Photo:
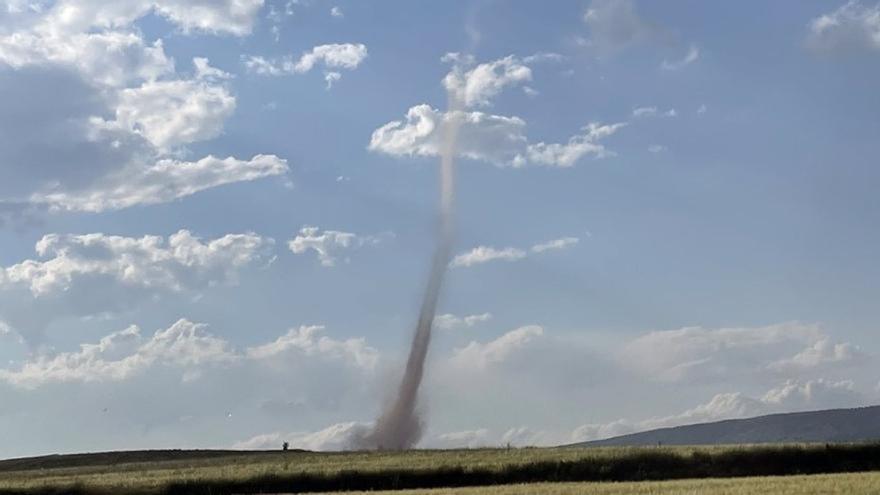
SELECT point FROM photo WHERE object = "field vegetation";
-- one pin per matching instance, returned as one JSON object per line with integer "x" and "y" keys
{"x": 215, "y": 473}
{"x": 814, "y": 484}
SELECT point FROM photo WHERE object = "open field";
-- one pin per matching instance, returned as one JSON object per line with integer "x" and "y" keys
{"x": 815, "y": 484}
{"x": 261, "y": 472}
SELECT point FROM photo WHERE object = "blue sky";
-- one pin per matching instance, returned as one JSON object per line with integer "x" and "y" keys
{"x": 665, "y": 214}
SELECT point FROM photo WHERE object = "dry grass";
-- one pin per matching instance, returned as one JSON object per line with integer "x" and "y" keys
{"x": 255, "y": 473}
{"x": 816, "y": 484}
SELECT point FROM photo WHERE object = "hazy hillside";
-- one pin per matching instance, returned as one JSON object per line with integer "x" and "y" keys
{"x": 834, "y": 425}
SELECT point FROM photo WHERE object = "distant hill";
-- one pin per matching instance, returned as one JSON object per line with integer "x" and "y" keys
{"x": 833, "y": 425}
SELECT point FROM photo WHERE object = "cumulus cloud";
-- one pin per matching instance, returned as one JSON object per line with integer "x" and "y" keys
{"x": 449, "y": 321}
{"x": 484, "y": 355}
{"x": 113, "y": 59}
{"x": 822, "y": 352}
{"x": 62, "y": 157}
{"x": 307, "y": 340}
{"x": 468, "y": 439}
{"x": 695, "y": 353}
{"x": 204, "y": 70}
{"x": 121, "y": 354}
{"x": 163, "y": 182}
{"x": 332, "y": 57}
{"x": 791, "y": 396}
{"x": 485, "y": 137}
{"x": 335, "y": 56}
{"x": 485, "y": 254}
{"x": 328, "y": 243}
{"x": 852, "y": 26}
{"x": 496, "y": 139}
{"x": 478, "y": 85}
{"x": 235, "y": 17}
{"x": 187, "y": 347}
{"x": 340, "y": 436}
{"x": 170, "y": 113}
{"x": 92, "y": 106}
{"x": 91, "y": 274}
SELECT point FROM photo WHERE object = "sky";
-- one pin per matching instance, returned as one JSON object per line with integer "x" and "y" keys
{"x": 217, "y": 217}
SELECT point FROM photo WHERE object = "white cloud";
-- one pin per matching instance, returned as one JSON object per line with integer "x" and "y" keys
{"x": 523, "y": 436}
{"x": 852, "y": 26}
{"x": 121, "y": 354}
{"x": 262, "y": 66}
{"x": 328, "y": 243}
{"x": 821, "y": 353}
{"x": 578, "y": 146}
{"x": 205, "y": 71}
{"x": 336, "y": 56}
{"x": 495, "y": 139}
{"x": 485, "y": 254}
{"x": 81, "y": 62}
{"x": 336, "y": 12}
{"x": 148, "y": 262}
{"x": 163, "y": 182}
{"x": 597, "y": 431}
{"x": 91, "y": 274}
{"x": 656, "y": 148}
{"x": 791, "y": 396}
{"x": 331, "y": 77}
{"x": 555, "y": 244}
{"x": 795, "y": 395}
{"x": 692, "y": 56}
{"x": 340, "y": 436}
{"x": 170, "y": 113}
{"x": 695, "y": 353}
{"x": 468, "y": 439}
{"x": 235, "y": 17}
{"x": 189, "y": 349}
{"x": 114, "y": 58}
{"x": 478, "y": 85}
{"x": 483, "y": 355}
{"x": 307, "y": 341}
{"x": 95, "y": 37}
{"x": 449, "y": 321}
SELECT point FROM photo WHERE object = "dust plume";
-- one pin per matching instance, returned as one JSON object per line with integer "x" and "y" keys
{"x": 400, "y": 425}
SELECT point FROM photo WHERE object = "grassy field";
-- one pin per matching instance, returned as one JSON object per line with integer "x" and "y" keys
{"x": 236, "y": 472}
{"x": 816, "y": 484}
